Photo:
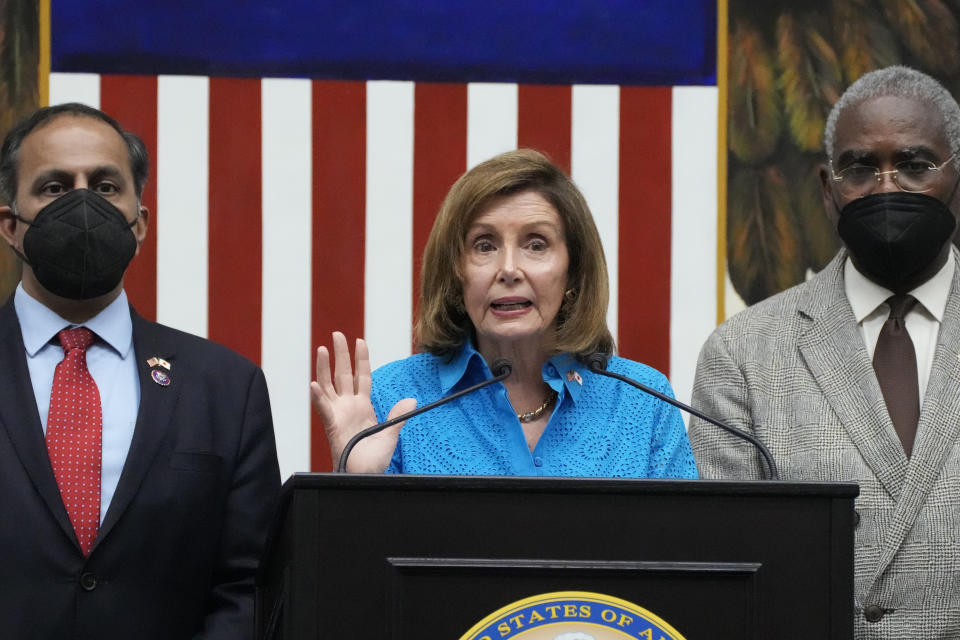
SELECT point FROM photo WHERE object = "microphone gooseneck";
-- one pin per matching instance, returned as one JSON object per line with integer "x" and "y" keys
{"x": 501, "y": 369}
{"x": 597, "y": 362}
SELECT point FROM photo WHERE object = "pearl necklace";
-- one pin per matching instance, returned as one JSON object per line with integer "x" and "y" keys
{"x": 536, "y": 413}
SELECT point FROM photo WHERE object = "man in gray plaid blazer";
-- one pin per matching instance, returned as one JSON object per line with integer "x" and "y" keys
{"x": 798, "y": 369}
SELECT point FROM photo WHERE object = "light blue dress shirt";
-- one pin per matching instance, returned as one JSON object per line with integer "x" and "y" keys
{"x": 599, "y": 427}
{"x": 111, "y": 362}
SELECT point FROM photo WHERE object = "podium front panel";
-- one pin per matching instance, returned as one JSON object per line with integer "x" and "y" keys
{"x": 417, "y": 557}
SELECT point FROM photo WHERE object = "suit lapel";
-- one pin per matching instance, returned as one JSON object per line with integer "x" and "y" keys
{"x": 156, "y": 409}
{"x": 833, "y": 349}
{"x": 937, "y": 431}
{"x": 18, "y": 413}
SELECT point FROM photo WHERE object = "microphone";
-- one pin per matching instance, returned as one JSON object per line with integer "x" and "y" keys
{"x": 501, "y": 369}
{"x": 597, "y": 362}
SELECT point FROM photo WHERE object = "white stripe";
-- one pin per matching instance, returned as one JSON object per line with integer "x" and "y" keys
{"x": 287, "y": 247}
{"x": 388, "y": 272}
{"x": 491, "y": 120}
{"x": 595, "y": 167}
{"x": 182, "y": 186}
{"x": 693, "y": 251}
{"x": 75, "y": 87}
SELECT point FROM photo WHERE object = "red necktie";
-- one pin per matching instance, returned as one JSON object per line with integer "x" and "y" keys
{"x": 895, "y": 362}
{"x": 74, "y": 435}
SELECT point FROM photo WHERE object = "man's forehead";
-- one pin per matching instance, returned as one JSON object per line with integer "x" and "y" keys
{"x": 73, "y": 140}
{"x": 890, "y": 123}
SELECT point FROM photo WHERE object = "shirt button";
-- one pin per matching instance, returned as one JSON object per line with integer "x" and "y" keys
{"x": 873, "y": 613}
{"x": 88, "y": 581}
{"x": 538, "y": 461}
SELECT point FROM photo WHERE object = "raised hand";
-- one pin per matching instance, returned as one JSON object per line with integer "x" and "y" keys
{"x": 343, "y": 402}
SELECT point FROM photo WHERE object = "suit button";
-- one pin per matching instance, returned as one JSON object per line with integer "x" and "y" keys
{"x": 856, "y": 518}
{"x": 872, "y": 613}
{"x": 88, "y": 581}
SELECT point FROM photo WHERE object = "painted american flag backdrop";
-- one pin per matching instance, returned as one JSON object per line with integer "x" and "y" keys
{"x": 283, "y": 208}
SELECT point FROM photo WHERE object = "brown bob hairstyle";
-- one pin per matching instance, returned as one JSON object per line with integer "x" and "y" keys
{"x": 442, "y": 323}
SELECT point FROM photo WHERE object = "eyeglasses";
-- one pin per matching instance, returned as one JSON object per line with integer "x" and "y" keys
{"x": 914, "y": 176}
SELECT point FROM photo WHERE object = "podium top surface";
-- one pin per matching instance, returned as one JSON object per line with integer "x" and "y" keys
{"x": 348, "y": 481}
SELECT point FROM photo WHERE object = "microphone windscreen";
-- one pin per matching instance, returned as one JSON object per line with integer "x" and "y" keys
{"x": 501, "y": 366}
{"x": 597, "y": 361}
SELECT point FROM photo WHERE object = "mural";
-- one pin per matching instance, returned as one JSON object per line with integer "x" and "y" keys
{"x": 20, "y": 48}
{"x": 789, "y": 61}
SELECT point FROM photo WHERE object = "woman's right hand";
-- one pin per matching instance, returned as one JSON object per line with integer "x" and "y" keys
{"x": 343, "y": 402}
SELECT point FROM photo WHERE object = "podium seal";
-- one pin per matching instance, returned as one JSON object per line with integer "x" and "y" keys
{"x": 572, "y": 615}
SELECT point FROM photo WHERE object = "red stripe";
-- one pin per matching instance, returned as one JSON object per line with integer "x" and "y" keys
{"x": 644, "y": 264}
{"x": 339, "y": 205}
{"x": 132, "y": 100}
{"x": 543, "y": 121}
{"x": 439, "y": 157}
{"x": 235, "y": 247}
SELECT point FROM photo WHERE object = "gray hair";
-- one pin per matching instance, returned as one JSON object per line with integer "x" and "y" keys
{"x": 901, "y": 82}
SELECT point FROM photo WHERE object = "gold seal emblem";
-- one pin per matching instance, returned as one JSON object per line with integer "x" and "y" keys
{"x": 572, "y": 615}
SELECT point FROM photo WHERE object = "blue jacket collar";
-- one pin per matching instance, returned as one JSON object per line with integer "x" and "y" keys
{"x": 562, "y": 371}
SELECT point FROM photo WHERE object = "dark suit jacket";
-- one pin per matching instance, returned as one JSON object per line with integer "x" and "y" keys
{"x": 177, "y": 550}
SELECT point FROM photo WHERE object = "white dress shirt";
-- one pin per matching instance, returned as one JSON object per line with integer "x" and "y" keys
{"x": 868, "y": 300}
{"x": 111, "y": 362}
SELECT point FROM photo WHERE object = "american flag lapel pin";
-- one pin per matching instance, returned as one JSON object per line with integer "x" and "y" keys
{"x": 574, "y": 375}
{"x": 157, "y": 361}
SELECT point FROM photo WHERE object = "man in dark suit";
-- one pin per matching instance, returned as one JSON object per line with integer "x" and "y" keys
{"x": 138, "y": 467}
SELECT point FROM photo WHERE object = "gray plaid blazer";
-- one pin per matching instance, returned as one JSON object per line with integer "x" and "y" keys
{"x": 794, "y": 371}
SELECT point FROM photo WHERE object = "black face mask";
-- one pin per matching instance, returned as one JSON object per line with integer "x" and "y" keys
{"x": 79, "y": 245}
{"x": 894, "y": 238}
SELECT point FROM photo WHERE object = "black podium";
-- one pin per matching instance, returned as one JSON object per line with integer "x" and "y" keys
{"x": 421, "y": 557}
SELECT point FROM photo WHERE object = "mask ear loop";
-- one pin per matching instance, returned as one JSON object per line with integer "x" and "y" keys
{"x": 19, "y": 218}
{"x": 947, "y": 202}
{"x": 136, "y": 218}
{"x": 836, "y": 207}
{"x": 953, "y": 191}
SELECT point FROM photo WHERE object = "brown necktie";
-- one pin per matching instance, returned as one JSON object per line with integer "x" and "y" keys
{"x": 895, "y": 362}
